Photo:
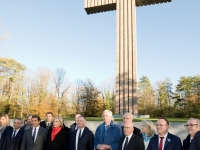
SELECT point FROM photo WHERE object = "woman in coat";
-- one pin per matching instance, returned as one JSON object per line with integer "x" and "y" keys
{"x": 57, "y": 137}
{"x": 147, "y": 131}
{"x": 4, "y": 127}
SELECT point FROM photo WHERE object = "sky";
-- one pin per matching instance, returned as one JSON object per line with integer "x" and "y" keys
{"x": 59, "y": 34}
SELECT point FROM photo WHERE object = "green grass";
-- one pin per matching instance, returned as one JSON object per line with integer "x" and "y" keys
{"x": 135, "y": 120}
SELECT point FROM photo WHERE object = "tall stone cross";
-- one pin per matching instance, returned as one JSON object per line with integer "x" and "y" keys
{"x": 126, "y": 63}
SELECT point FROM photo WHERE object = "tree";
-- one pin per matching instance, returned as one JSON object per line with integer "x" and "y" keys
{"x": 11, "y": 73}
{"x": 164, "y": 93}
{"x": 108, "y": 94}
{"x": 190, "y": 86}
{"x": 88, "y": 100}
{"x": 146, "y": 96}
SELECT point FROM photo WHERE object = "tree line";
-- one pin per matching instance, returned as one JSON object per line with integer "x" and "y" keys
{"x": 161, "y": 100}
{"x": 24, "y": 92}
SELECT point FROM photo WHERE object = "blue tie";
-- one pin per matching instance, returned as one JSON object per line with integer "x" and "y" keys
{"x": 33, "y": 137}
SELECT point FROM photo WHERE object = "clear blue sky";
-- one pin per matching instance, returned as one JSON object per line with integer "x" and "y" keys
{"x": 59, "y": 34}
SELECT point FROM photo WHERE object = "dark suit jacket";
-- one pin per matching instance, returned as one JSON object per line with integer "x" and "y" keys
{"x": 13, "y": 143}
{"x": 26, "y": 127}
{"x": 135, "y": 143}
{"x": 172, "y": 143}
{"x": 60, "y": 142}
{"x": 66, "y": 129}
{"x": 136, "y": 130}
{"x": 43, "y": 124}
{"x": 72, "y": 127}
{"x": 27, "y": 142}
{"x": 195, "y": 144}
{"x": 186, "y": 143}
{"x": 86, "y": 140}
{"x": 4, "y": 135}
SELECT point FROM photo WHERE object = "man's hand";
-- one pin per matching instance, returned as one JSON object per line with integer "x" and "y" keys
{"x": 103, "y": 147}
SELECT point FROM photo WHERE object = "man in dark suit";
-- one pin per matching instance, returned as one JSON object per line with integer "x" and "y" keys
{"x": 164, "y": 140}
{"x": 82, "y": 138}
{"x": 35, "y": 137}
{"x": 74, "y": 125}
{"x": 195, "y": 144}
{"x": 13, "y": 137}
{"x": 28, "y": 123}
{"x": 128, "y": 117}
{"x": 130, "y": 141}
{"x": 47, "y": 122}
{"x": 192, "y": 126}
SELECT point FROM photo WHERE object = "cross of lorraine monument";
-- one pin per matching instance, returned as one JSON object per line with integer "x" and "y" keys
{"x": 126, "y": 71}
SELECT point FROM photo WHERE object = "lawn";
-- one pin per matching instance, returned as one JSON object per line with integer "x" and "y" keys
{"x": 135, "y": 119}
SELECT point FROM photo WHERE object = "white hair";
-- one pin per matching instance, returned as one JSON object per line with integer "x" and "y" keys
{"x": 128, "y": 114}
{"x": 108, "y": 111}
{"x": 196, "y": 119}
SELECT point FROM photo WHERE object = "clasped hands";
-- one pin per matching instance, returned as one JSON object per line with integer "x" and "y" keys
{"x": 103, "y": 147}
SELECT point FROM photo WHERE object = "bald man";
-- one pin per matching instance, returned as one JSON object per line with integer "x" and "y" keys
{"x": 130, "y": 141}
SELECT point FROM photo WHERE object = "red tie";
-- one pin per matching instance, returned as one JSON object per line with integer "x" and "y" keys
{"x": 161, "y": 143}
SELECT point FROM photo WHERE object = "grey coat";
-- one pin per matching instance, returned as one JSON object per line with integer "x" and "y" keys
{"x": 27, "y": 142}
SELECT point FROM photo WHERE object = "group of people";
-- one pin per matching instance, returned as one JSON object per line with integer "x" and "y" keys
{"x": 52, "y": 134}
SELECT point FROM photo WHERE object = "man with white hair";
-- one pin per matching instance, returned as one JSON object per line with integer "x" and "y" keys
{"x": 128, "y": 118}
{"x": 192, "y": 126}
{"x": 108, "y": 134}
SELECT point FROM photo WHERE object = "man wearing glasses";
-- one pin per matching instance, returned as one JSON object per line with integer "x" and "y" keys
{"x": 128, "y": 118}
{"x": 130, "y": 141}
{"x": 164, "y": 140}
{"x": 192, "y": 126}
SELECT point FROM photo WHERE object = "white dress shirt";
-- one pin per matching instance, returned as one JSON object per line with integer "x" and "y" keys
{"x": 164, "y": 139}
{"x": 129, "y": 137}
{"x": 15, "y": 132}
{"x": 37, "y": 129}
{"x": 77, "y": 134}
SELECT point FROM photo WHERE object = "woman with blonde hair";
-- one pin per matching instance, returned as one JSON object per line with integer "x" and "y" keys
{"x": 147, "y": 131}
{"x": 57, "y": 137}
{"x": 4, "y": 127}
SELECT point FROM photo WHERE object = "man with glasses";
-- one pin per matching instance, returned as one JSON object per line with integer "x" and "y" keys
{"x": 192, "y": 126}
{"x": 164, "y": 140}
{"x": 130, "y": 141}
{"x": 195, "y": 143}
{"x": 127, "y": 118}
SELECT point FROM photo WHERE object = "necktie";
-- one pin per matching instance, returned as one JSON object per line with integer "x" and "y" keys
{"x": 125, "y": 144}
{"x": 79, "y": 136}
{"x": 33, "y": 137}
{"x": 14, "y": 134}
{"x": 48, "y": 125}
{"x": 161, "y": 143}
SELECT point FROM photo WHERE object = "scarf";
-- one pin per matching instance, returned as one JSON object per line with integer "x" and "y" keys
{"x": 54, "y": 132}
{"x": 146, "y": 138}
